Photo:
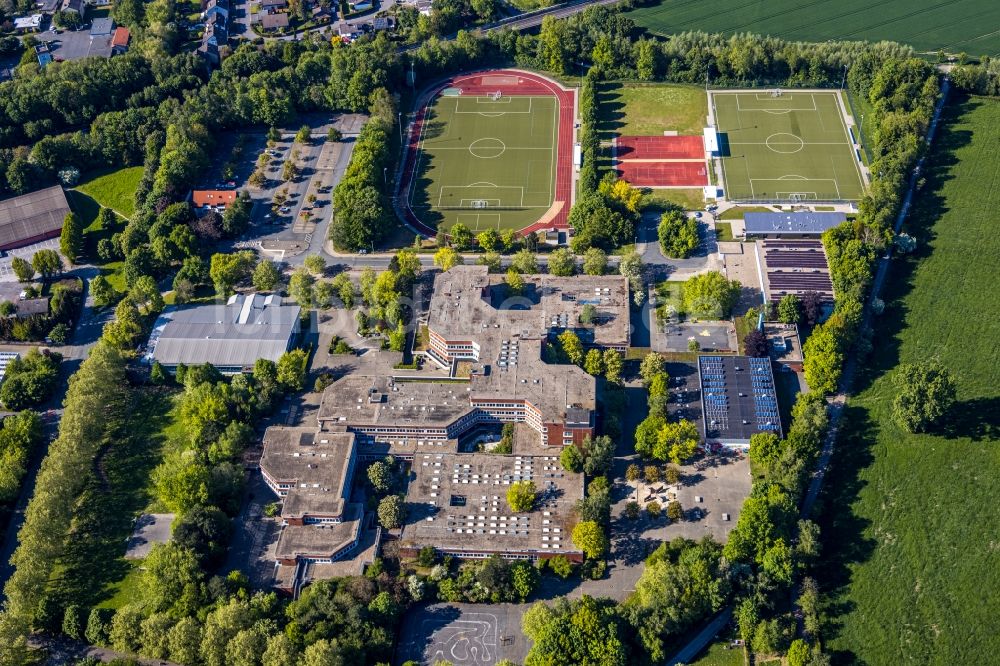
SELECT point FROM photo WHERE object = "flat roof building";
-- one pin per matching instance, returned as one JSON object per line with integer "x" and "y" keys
{"x": 738, "y": 399}
{"x": 804, "y": 224}
{"x": 457, "y": 503}
{"x": 312, "y": 473}
{"x": 32, "y": 217}
{"x": 230, "y": 336}
{"x": 101, "y": 27}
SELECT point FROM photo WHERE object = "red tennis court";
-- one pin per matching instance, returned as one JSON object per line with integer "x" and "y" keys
{"x": 664, "y": 174}
{"x": 660, "y": 148}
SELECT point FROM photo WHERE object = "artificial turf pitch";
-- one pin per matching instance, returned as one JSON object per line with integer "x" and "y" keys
{"x": 489, "y": 164}
{"x": 795, "y": 146}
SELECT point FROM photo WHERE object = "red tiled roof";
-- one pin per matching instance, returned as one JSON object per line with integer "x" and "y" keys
{"x": 212, "y": 197}
{"x": 121, "y": 37}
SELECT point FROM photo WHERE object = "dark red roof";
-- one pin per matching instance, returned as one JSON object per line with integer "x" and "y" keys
{"x": 121, "y": 37}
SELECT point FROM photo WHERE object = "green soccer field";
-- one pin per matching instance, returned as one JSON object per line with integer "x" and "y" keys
{"x": 489, "y": 164}
{"x": 792, "y": 147}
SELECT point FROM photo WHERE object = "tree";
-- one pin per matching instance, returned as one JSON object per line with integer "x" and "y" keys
{"x": 571, "y": 459}
{"x": 46, "y": 263}
{"x": 789, "y": 309}
{"x": 755, "y": 344}
{"x": 674, "y": 511}
{"x": 447, "y": 258}
{"x": 345, "y": 289}
{"x": 521, "y": 496}
{"x": 633, "y": 473}
{"x": 562, "y": 262}
{"x": 128, "y": 12}
{"x": 22, "y": 269}
{"x": 672, "y": 475}
{"x": 823, "y": 359}
{"x": 926, "y": 391}
{"x": 71, "y": 238}
{"x": 228, "y": 270}
{"x": 710, "y": 295}
{"x": 72, "y": 624}
{"x": 390, "y": 512}
{"x": 514, "y": 282}
{"x": 265, "y": 275}
{"x": 300, "y": 286}
{"x": 654, "y": 509}
{"x": 380, "y": 476}
{"x": 291, "y": 369}
{"x": 315, "y": 264}
{"x": 524, "y": 262}
{"x": 652, "y": 365}
{"x": 303, "y": 135}
{"x": 765, "y": 449}
{"x": 594, "y": 363}
{"x": 595, "y": 261}
{"x": 678, "y": 234}
{"x": 489, "y": 240}
{"x": 676, "y": 442}
{"x": 599, "y": 454}
{"x": 589, "y": 537}
{"x": 613, "y": 365}
{"x": 570, "y": 347}
{"x": 461, "y": 236}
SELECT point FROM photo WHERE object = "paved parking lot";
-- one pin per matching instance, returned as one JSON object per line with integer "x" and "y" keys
{"x": 463, "y": 634}
{"x": 289, "y": 235}
{"x": 6, "y": 274}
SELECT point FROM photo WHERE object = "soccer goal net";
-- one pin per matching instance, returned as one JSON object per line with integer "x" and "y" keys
{"x": 496, "y": 96}
{"x": 480, "y": 203}
{"x": 776, "y": 93}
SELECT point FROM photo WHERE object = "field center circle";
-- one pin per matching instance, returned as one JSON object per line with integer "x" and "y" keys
{"x": 785, "y": 143}
{"x": 487, "y": 148}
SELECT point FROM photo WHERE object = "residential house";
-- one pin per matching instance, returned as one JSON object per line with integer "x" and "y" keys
{"x": 274, "y": 21}
{"x": 213, "y": 198}
{"x": 31, "y": 23}
{"x": 119, "y": 43}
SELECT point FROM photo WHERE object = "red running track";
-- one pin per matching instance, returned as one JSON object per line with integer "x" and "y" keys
{"x": 660, "y": 148}
{"x": 509, "y": 82}
{"x": 664, "y": 174}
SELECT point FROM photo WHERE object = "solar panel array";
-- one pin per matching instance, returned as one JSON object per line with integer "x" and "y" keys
{"x": 796, "y": 267}
{"x": 713, "y": 390}
{"x": 764, "y": 398}
{"x": 738, "y": 397}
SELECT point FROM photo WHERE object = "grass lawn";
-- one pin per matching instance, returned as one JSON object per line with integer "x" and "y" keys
{"x": 114, "y": 189}
{"x": 909, "y": 521}
{"x": 926, "y": 24}
{"x": 738, "y": 212}
{"x": 687, "y": 198}
{"x": 719, "y": 654}
{"x": 775, "y": 148}
{"x": 489, "y": 164}
{"x": 723, "y": 232}
{"x": 644, "y": 109}
{"x": 670, "y": 294}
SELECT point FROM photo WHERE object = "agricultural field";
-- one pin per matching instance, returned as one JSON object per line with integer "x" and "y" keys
{"x": 487, "y": 163}
{"x": 645, "y": 109}
{"x": 909, "y": 521}
{"x": 114, "y": 189}
{"x": 968, "y": 26}
{"x": 796, "y": 145}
